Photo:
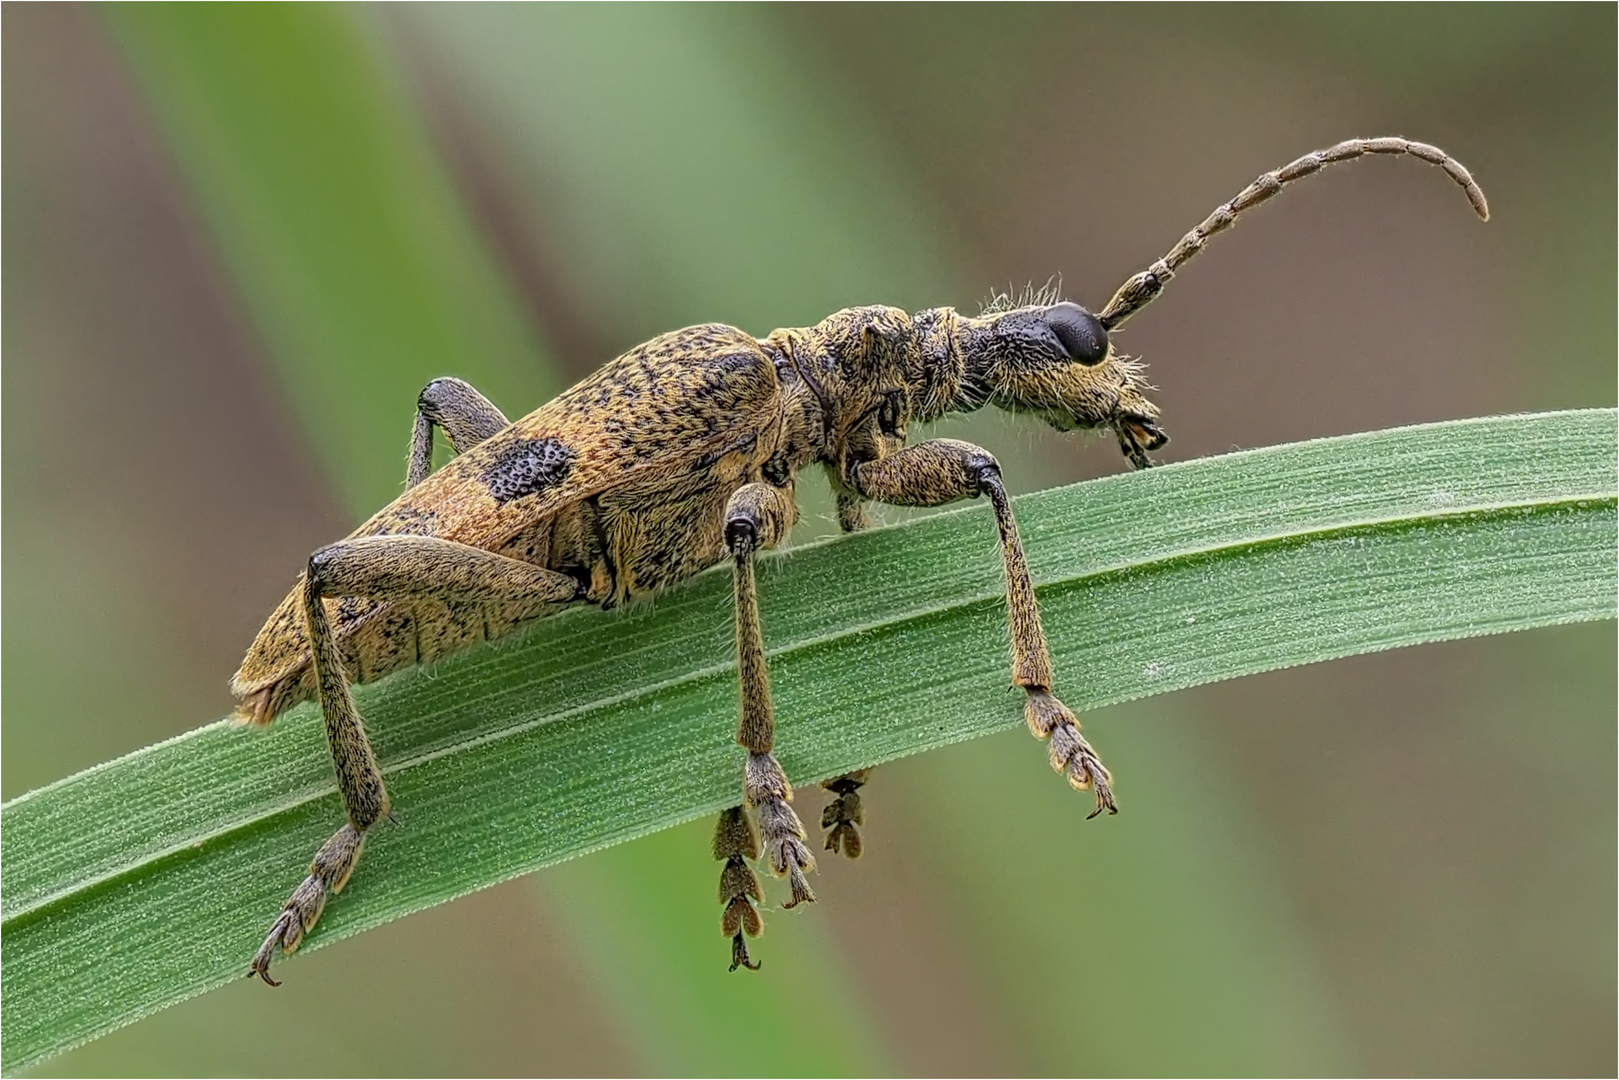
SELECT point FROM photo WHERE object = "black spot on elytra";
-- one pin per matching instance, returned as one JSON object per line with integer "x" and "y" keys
{"x": 528, "y": 467}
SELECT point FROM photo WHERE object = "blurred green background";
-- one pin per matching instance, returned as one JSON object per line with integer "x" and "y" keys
{"x": 240, "y": 239}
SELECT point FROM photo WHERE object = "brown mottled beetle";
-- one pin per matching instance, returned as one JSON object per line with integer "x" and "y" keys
{"x": 682, "y": 453}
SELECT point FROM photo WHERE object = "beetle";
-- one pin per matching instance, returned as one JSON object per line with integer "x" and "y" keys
{"x": 684, "y": 453}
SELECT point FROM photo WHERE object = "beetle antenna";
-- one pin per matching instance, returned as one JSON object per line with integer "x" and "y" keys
{"x": 1144, "y": 287}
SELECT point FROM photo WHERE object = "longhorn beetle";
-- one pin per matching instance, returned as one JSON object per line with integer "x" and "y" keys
{"x": 680, "y": 454}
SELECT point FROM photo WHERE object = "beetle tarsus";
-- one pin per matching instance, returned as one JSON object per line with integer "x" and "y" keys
{"x": 1071, "y": 754}
{"x": 739, "y": 954}
{"x": 261, "y": 961}
{"x": 845, "y": 813}
{"x": 735, "y": 841}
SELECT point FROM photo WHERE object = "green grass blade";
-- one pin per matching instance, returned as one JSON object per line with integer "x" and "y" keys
{"x": 149, "y": 879}
{"x": 746, "y": 168}
{"x": 344, "y": 239}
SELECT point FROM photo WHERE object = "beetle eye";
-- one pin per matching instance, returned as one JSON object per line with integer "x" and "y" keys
{"x": 888, "y": 414}
{"x": 1080, "y": 332}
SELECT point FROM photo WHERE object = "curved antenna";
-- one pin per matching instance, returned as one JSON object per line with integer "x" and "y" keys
{"x": 1144, "y": 287}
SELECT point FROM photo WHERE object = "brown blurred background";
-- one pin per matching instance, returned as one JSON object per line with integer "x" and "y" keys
{"x": 239, "y": 240}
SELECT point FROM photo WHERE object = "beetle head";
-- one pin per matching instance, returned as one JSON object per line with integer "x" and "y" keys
{"x": 1055, "y": 361}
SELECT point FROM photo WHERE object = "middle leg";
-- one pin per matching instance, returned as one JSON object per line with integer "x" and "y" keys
{"x": 758, "y": 516}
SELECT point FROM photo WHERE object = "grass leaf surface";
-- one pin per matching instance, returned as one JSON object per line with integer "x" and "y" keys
{"x": 149, "y": 879}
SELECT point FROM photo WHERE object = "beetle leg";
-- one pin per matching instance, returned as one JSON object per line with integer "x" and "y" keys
{"x": 381, "y": 568}
{"x": 735, "y": 842}
{"x": 844, "y": 814}
{"x": 466, "y": 416}
{"x": 943, "y": 470}
{"x": 842, "y": 817}
{"x": 852, "y": 516}
{"x": 757, "y": 516}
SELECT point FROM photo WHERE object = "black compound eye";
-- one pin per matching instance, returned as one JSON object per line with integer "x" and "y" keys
{"x": 1080, "y": 332}
{"x": 888, "y": 415}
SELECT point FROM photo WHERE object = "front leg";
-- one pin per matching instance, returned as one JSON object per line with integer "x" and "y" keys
{"x": 943, "y": 470}
{"x": 758, "y": 516}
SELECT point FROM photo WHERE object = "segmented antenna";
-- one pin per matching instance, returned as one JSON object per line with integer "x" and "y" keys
{"x": 1144, "y": 287}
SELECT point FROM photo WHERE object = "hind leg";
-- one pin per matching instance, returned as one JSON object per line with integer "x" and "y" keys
{"x": 380, "y": 568}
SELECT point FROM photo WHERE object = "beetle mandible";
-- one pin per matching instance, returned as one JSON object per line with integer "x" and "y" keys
{"x": 681, "y": 454}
